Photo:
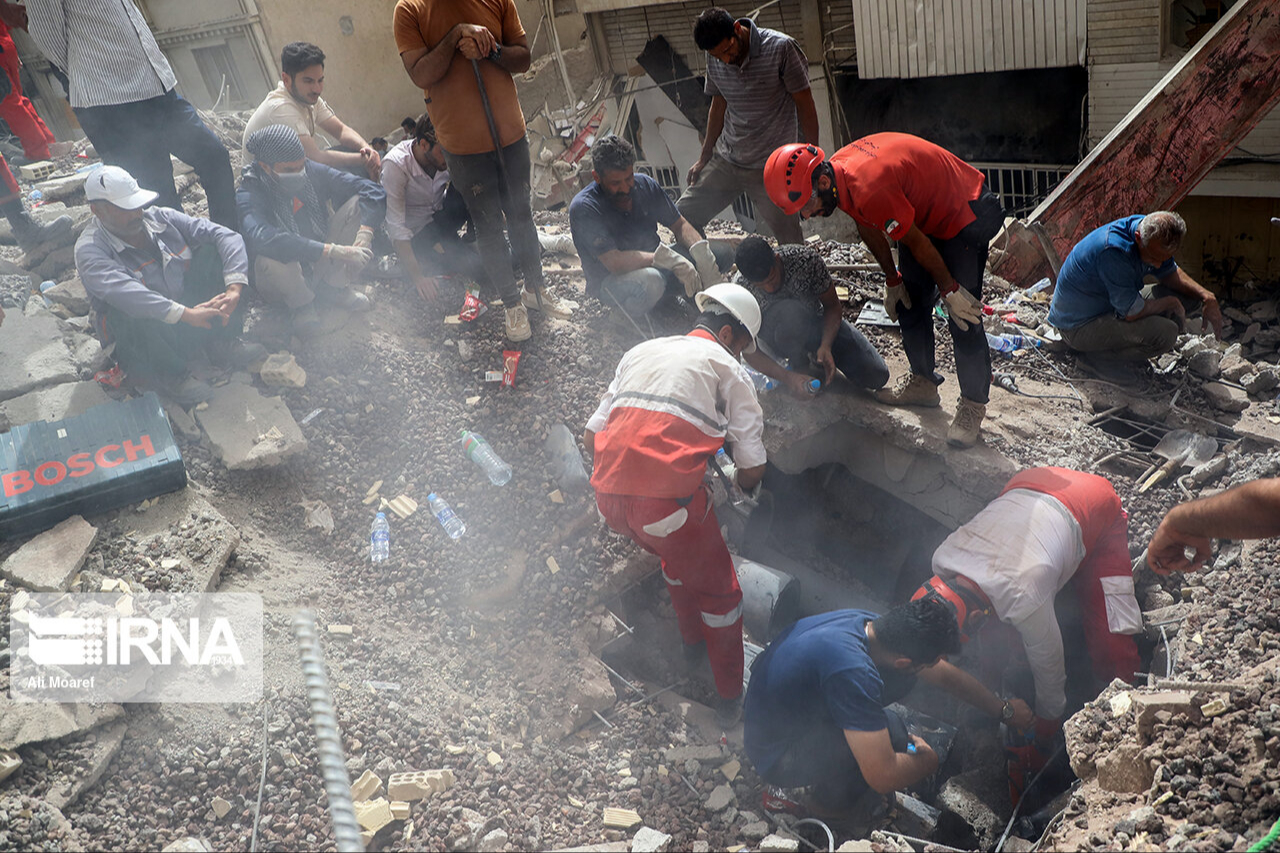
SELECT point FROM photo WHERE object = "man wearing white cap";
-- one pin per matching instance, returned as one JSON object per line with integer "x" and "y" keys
{"x": 164, "y": 286}
{"x": 673, "y": 403}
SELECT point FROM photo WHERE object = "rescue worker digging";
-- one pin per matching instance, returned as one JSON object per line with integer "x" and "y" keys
{"x": 673, "y": 402}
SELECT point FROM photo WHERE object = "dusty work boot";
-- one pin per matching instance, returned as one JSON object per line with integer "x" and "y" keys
{"x": 550, "y": 304}
{"x": 728, "y": 711}
{"x": 517, "y": 324}
{"x": 306, "y": 321}
{"x": 187, "y": 392}
{"x": 31, "y": 234}
{"x": 344, "y": 298}
{"x": 964, "y": 429}
{"x": 911, "y": 389}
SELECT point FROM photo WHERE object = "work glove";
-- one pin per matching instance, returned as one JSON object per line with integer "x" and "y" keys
{"x": 962, "y": 306}
{"x": 354, "y": 256}
{"x": 705, "y": 261}
{"x": 364, "y": 237}
{"x": 894, "y": 292}
{"x": 667, "y": 258}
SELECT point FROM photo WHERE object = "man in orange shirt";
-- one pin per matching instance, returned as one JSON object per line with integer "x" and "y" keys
{"x": 438, "y": 39}
{"x": 938, "y": 208}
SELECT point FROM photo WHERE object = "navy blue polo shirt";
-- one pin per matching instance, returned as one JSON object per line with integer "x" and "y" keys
{"x": 598, "y": 226}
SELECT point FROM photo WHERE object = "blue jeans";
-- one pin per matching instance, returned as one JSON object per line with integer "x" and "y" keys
{"x": 792, "y": 330}
{"x": 639, "y": 290}
{"x": 139, "y": 137}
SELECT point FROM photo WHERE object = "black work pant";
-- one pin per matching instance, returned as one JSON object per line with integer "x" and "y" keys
{"x": 792, "y": 330}
{"x": 479, "y": 178}
{"x": 439, "y": 247}
{"x": 139, "y": 137}
{"x": 966, "y": 258}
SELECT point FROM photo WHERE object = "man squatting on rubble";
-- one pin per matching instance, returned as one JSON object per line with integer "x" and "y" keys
{"x": 673, "y": 402}
{"x": 899, "y": 187}
{"x": 802, "y": 317}
{"x": 1098, "y": 304}
{"x": 150, "y": 272}
{"x": 438, "y": 43}
{"x": 425, "y": 212}
{"x": 814, "y": 712}
{"x": 614, "y": 222}
{"x": 308, "y": 226}
{"x": 1248, "y": 511}
{"x": 1049, "y": 528}
{"x": 295, "y": 102}
{"x": 758, "y": 81}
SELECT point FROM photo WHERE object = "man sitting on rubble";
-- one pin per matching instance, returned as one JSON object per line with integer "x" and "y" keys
{"x": 309, "y": 227}
{"x": 1248, "y": 511}
{"x": 802, "y": 317}
{"x": 1050, "y": 527}
{"x": 815, "y": 709}
{"x": 673, "y": 403}
{"x": 1098, "y": 304}
{"x": 425, "y": 212}
{"x": 614, "y": 223}
{"x": 150, "y": 273}
{"x": 295, "y": 102}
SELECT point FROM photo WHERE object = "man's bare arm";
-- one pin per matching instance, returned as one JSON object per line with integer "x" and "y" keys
{"x": 885, "y": 770}
{"x": 329, "y": 156}
{"x": 426, "y": 66}
{"x": 1250, "y": 511}
{"x": 923, "y": 250}
{"x": 878, "y": 244}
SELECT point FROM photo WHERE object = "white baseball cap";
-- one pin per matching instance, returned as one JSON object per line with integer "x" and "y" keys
{"x": 113, "y": 184}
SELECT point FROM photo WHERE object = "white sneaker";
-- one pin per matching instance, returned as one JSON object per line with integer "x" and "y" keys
{"x": 517, "y": 324}
{"x": 561, "y": 308}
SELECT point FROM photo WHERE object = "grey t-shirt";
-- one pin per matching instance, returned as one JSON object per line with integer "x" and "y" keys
{"x": 804, "y": 277}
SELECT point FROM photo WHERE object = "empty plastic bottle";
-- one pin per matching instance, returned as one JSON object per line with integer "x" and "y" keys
{"x": 566, "y": 462}
{"x": 815, "y": 386}
{"x": 379, "y": 539}
{"x": 446, "y": 516}
{"x": 727, "y": 468}
{"x": 762, "y": 382}
{"x": 482, "y": 453}
{"x": 1009, "y": 343}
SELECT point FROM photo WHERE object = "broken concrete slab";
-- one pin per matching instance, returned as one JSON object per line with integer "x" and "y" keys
{"x": 248, "y": 430}
{"x": 493, "y": 841}
{"x": 203, "y": 547}
{"x": 1262, "y": 381}
{"x": 9, "y": 763}
{"x": 1124, "y": 771}
{"x": 89, "y": 354}
{"x": 973, "y": 798}
{"x": 720, "y": 798}
{"x": 32, "y": 722}
{"x": 1233, "y": 367}
{"x": 649, "y": 840}
{"x": 75, "y": 781}
{"x": 1226, "y": 398}
{"x": 778, "y": 844}
{"x": 373, "y": 815}
{"x": 33, "y": 355}
{"x": 181, "y": 421}
{"x": 53, "y": 403}
{"x": 1206, "y": 363}
{"x": 705, "y": 752}
{"x": 70, "y": 294}
{"x": 1147, "y": 705}
{"x": 48, "y": 562}
{"x": 61, "y": 188}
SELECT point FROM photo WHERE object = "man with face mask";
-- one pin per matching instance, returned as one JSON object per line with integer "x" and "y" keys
{"x": 614, "y": 223}
{"x": 165, "y": 287}
{"x": 425, "y": 212}
{"x": 938, "y": 208}
{"x": 673, "y": 403}
{"x": 309, "y": 227}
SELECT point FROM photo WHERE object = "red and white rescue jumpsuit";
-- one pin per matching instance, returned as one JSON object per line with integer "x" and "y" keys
{"x": 16, "y": 109}
{"x": 673, "y": 402}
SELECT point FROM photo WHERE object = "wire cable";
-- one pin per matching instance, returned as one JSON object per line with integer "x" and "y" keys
{"x": 831, "y": 839}
{"x": 1013, "y": 817}
{"x": 1267, "y": 840}
{"x": 262, "y": 780}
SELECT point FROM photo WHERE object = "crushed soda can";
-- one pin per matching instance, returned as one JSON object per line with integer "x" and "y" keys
{"x": 472, "y": 307}
{"x": 111, "y": 378}
{"x": 510, "y": 361}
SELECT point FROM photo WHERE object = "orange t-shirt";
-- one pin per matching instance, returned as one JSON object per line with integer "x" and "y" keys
{"x": 453, "y": 103}
{"x": 890, "y": 181}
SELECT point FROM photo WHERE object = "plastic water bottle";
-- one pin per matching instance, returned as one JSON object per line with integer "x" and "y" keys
{"x": 1009, "y": 343}
{"x": 565, "y": 461}
{"x": 482, "y": 453}
{"x": 814, "y": 386}
{"x": 445, "y": 515}
{"x": 379, "y": 539}
{"x": 735, "y": 491}
{"x": 762, "y": 382}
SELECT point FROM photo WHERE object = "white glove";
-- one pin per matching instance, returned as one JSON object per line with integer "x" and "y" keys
{"x": 963, "y": 308}
{"x": 705, "y": 261}
{"x": 893, "y": 294}
{"x": 667, "y": 258}
{"x": 354, "y": 256}
{"x": 364, "y": 237}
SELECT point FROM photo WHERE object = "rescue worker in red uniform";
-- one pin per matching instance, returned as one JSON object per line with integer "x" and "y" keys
{"x": 16, "y": 109}
{"x": 673, "y": 402}
{"x": 1049, "y": 527}
{"x": 938, "y": 208}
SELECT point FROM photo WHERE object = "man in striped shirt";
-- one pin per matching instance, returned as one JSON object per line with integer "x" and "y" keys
{"x": 122, "y": 92}
{"x": 758, "y": 80}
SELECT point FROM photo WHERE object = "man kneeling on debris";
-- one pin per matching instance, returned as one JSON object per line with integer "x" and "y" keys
{"x": 673, "y": 403}
{"x": 801, "y": 317}
{"x": 308, "y": 225}
{"x": 614, "y": 223}
{"x": 148, "y": 272}
{"x": 1098, "y": 305}
{"x": 815, "y": 710}
{"x": 1049, "y": 527}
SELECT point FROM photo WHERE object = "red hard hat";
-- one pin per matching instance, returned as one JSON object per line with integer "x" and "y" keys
{"x": 965, "y": 601}
{"x": 788, "y": 175}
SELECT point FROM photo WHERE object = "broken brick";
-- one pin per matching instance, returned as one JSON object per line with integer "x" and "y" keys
{"x": 367, "y": 786}
{"x": 419, "y": 784}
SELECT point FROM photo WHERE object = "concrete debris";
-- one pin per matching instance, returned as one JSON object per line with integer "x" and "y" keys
{"x": 69, "y": 787}
{"x": 238, "y": 421}
{"x": 721, "y": 798}
{"x": 648, "y": 840}
{"x": 754, "y": 830}
{"x": 1148, "y": 707}
{"x": 681, "y": 754}
{"x": 731, "y": 769}
{"x": 1123, "y": 771}
{"x": 419, "y": 784}
{"x": 183, "y": 424}
{"x": 368, "y": 785}
{"x": 9, "y": 763}
{"x": 373, "y": 815}
{"x": 1260, "y": 382}
{"x": 859, "y": 845}
{"x": 403, "y": 506}
{"x": 1226, "y": 397}
{"x": 778, "y": 844}
{"x": 206, "y": 541}
{"x": 48, "y": 562}
{"x": 493, "y": 758}
{"x": 400, "y": 809}
{"x": 26, "y": 722}
{"x": 220, "y": 807}
{"x": 318, "y": 516}
{"x": 1205, "y": 363}
{"x": 71, "y": 295}
{"x": 914, "y": 817}
{"x": 282, "y": 369}
{"x": 1233, "y": 367}
{"x": 615, "y": 818}
{"x": 1214, "y": 707}
{"x": 33, "y": 355}
{"x": 973, "y": 797}
{"x": 190, "y": 844}
{"x": 493, "y": 841}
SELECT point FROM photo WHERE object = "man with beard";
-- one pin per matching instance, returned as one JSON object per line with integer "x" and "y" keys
{"x": 614, "y": 223}
{"x": 942, "y": 214}
{"x": 165, "y": 287}
{"x": 296, "y": 103}
{"x": 308, "y": 225}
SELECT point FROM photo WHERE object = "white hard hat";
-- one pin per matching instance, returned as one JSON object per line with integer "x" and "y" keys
{"x": 739, "y": 302}
{"x": 113, "y": 184}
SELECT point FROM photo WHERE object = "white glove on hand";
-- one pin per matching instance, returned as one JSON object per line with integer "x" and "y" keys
{"x": 705, "y": 261}
{"x": 893, "y": 294}
{"x": 963, "y": 308}
{"x": 667, "y": 258}
{"x": 364, "y": 237}
{"x": 354, "y": 256}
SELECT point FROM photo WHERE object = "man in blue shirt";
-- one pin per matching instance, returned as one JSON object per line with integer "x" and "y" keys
{"x": 814, "y": 710}
{"x": 1097, "y": 304}
{"x": 614, "y": 223}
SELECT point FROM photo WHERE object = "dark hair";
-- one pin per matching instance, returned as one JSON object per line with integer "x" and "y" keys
{"x": 298, "y": 55}
{"x": 755, "y": 258}
{"x": 712, "y": 27}
{"x": 424, "y": 129}
{"x": 376, "y": 140}
{"x": 717, "y": 319}
{"x": 408, "y": 123}
{"x": 922, "y": 630}
{"x": 612, "y": 154}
